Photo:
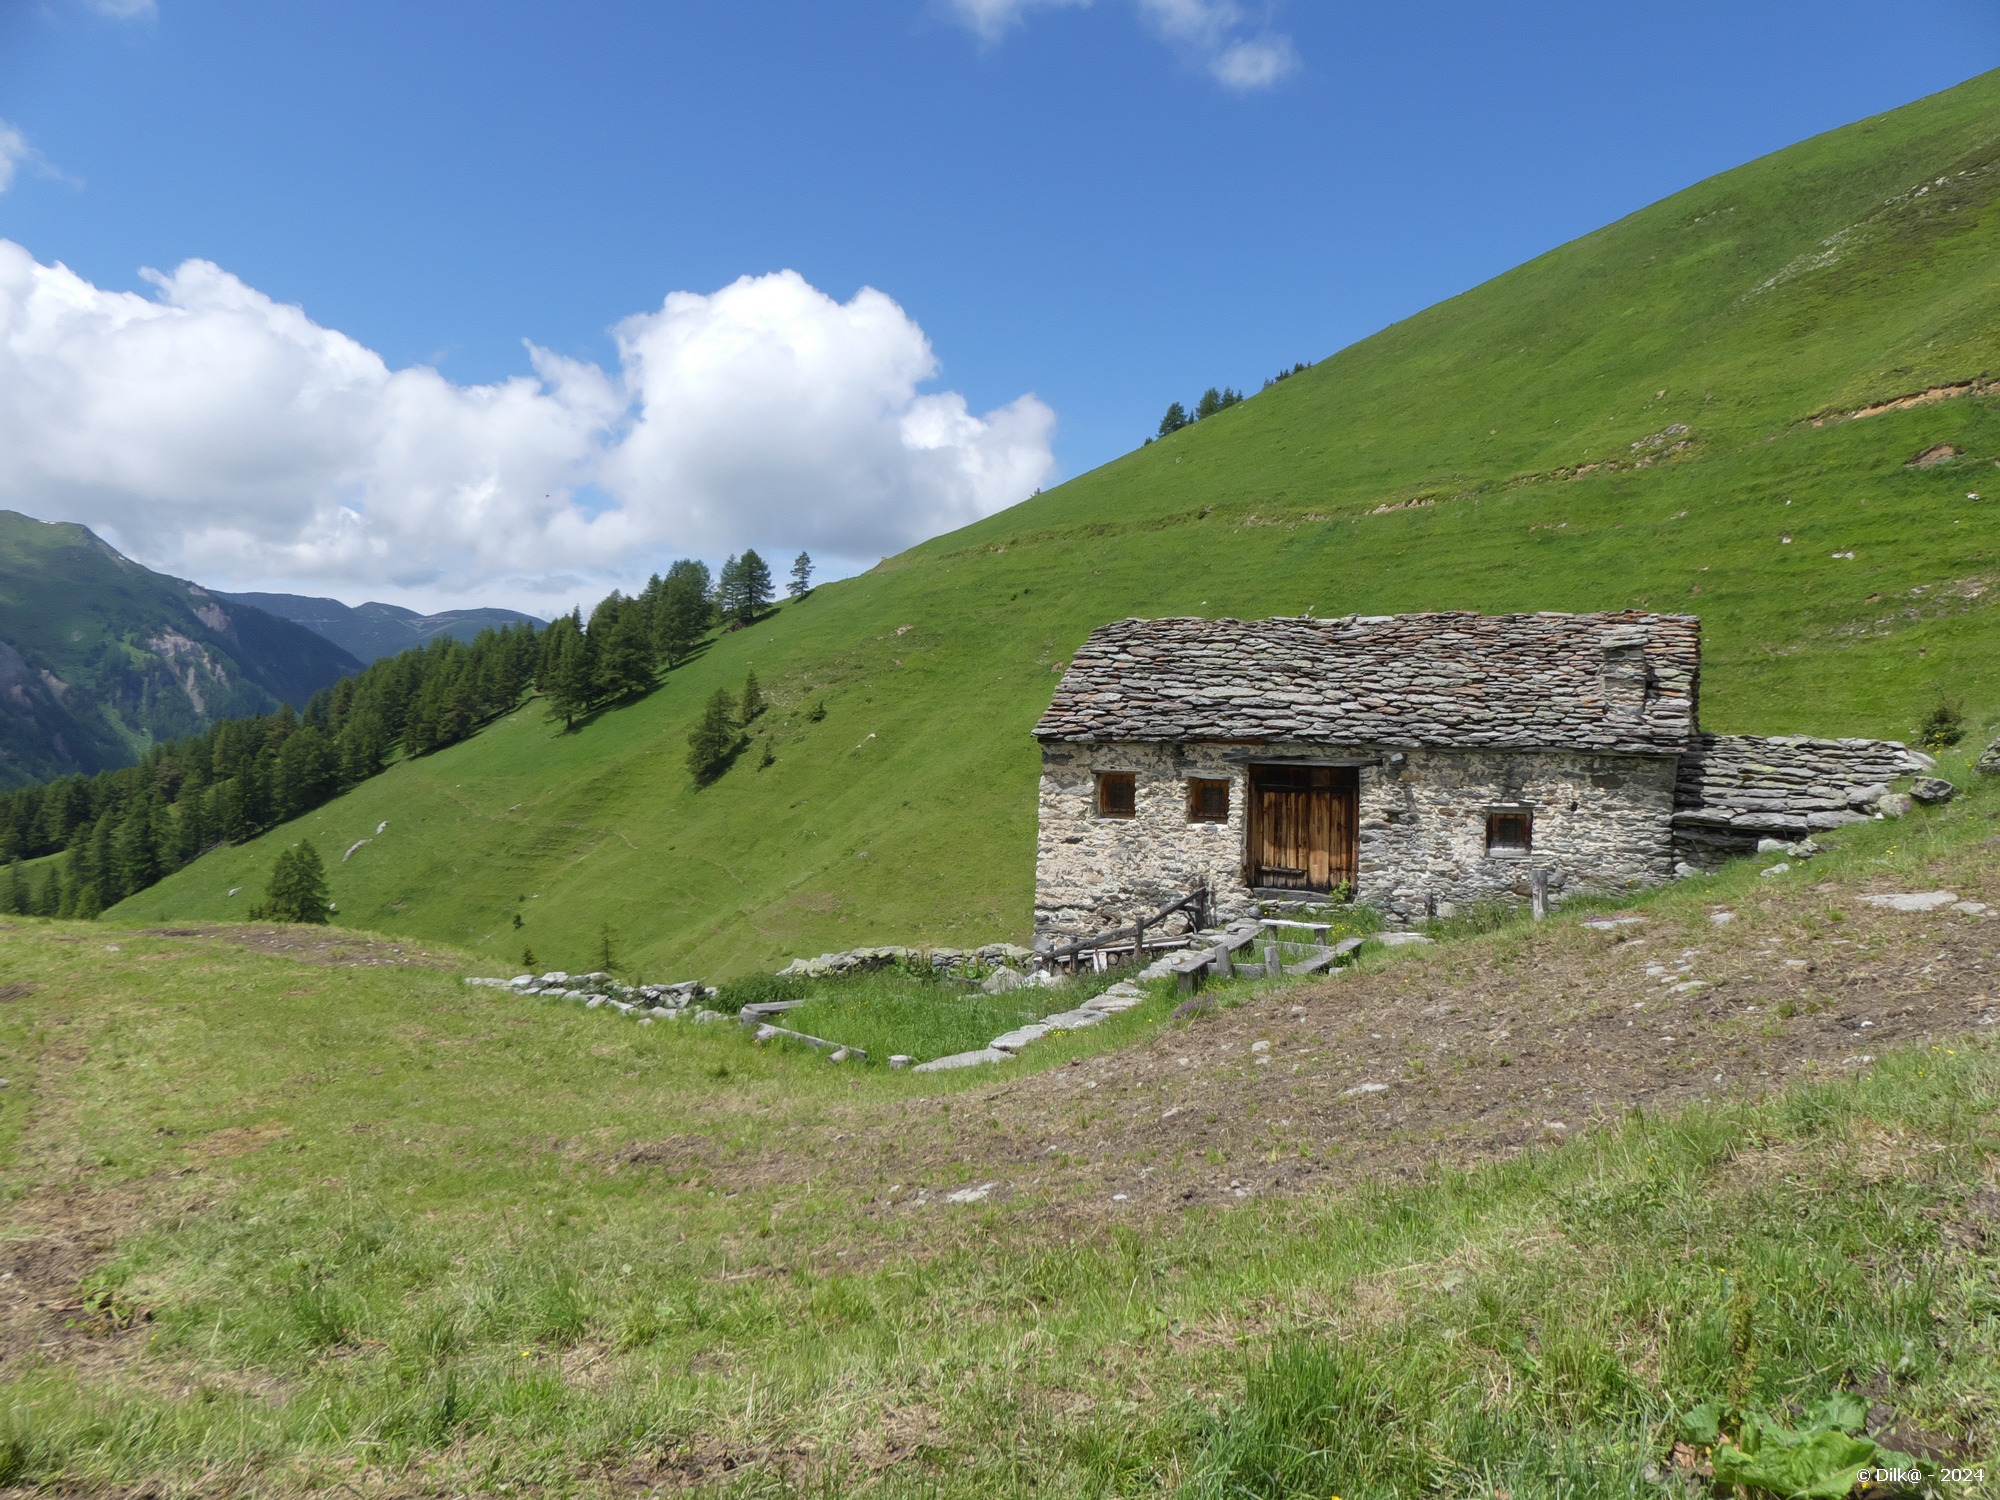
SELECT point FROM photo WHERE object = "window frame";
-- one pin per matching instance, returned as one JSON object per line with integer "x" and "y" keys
{"x": 1104, "y": 779}
{"x": 1196, "y": 785}
{"x": 1525, "y": 816}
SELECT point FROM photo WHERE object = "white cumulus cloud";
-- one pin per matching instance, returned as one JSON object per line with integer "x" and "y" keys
{"x": 222, "y": 435}
{"x": 1238, "y": 51}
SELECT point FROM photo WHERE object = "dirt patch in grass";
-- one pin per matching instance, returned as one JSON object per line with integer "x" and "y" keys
{"x": 1466, "y": 1053}
{"x": 333, "y": 947}
{"x": 19, "y": 991}
{"x": 54, "y": 1241}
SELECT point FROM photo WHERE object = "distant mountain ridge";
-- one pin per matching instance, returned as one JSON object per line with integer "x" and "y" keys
{"x": 372, "y": 631}
{"x": 101, "y": 657}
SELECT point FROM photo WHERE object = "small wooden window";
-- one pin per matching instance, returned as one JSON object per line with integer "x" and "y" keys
{"x": 1510, "y": 832}
{"x": 1208, "y": 800}
{"x": 1117, "y": 794}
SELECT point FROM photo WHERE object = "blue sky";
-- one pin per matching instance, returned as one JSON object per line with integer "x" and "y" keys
{"x": 1072, "y": 200}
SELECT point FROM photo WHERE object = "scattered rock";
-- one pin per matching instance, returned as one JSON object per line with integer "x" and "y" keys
{"x": 1971, "y": 908}
{"x": 1364, "y": 1088}
{"x": 1019, "y": 1037}
{"x": 1988, "y": 763}
{"x": 899, "y": 1061}
{"x": 1400, "y": 939}
{"x": 1893, "y": 804}
{"x": 971, "y": 1194}
{"x": 1911, "y": 900}
{"x": 964, "y": 1060}
{"x": 1722, "y": 918}
{"x": 1779, "y": 868}
{"x": 1932, "y": 791}
{"x": 1000, "y": 981}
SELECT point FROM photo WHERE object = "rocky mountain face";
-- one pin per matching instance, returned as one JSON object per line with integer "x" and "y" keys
{"x": 100, "y": 657}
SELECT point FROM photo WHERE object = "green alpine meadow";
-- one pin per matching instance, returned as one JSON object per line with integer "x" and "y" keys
{"x": 1763, "y": 400}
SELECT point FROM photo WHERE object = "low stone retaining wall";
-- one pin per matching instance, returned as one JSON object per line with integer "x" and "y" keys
{"x": 668, "y": 1002}
{"x": 862, "y": 960}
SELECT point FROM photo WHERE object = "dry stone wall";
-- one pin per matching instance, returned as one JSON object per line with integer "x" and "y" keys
{"x": 1735, "y": 789}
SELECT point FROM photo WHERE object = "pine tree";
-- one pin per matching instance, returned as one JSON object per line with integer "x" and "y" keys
{"x": 753, "y": 586}
{"x": 684, "y": 611}
{"x": 753, "y": 698}
{"x": 134, "y": 856}
{"x": 360, "y": 748}
{"x": 48, "y": 898}
{"x": 802, "y": 572}
{"x": 626, "y": 664}
{"x": 191, "y": 826}
{"x": 565, "y": 675}
{"x": 14, "y": 898}
{"x": 729, "y": 589}
{"x": 307, "y": 773}
{"x": 297, "y": 892}
{"x": 1175, "y": 419}
{"x": 714, "y": 739}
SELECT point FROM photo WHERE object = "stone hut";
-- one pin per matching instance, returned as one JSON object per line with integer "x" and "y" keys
{"x": 1420, "y": 763}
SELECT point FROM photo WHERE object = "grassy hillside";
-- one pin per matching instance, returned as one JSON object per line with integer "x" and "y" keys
{"x": 292, "y": 1211}
{"x": 1657, "y": 415}
{"x": 101, "y": 658}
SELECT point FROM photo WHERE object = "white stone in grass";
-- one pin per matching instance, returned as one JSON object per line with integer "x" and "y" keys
{"x": 1074, "y": 1020}
{"x": 1911, "y": 900}
{"x": 1400, "y": 939}
{"x": 1364, "y": 1088}
{"x": 963, "y": 1060}
{"x": 971, "y": 1194}
{"x": 1780, "y": 868}
{"x": 900, "y": 1061}
{"x": 1020, "y": 1036}
{"x": 1971, "y": 908}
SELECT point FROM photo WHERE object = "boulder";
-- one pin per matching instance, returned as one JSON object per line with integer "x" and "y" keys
{"x": 1932, "y": 791}
{"x": 1000, "y": 981}
{"x": 1988, "y": 763}
{"x": 1894, "y": 805}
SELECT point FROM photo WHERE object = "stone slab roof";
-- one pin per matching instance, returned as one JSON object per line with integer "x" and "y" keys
{"x": 1614, "y": 681}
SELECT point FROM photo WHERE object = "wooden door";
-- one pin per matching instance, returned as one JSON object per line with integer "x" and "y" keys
{"x": 1302, "y": 826}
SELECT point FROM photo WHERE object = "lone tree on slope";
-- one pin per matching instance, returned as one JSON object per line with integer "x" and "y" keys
{"x": 714, "y": 739}
{"x": 802, "y": 572}
{"x": 753, "y": 698}
{"x": 1175, "y": 419}
{"x": 297, "y": 892}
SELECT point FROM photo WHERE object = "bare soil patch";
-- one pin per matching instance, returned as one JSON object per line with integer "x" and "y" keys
{"x": 1469, "y": 1053}
{"x": 57, "y": 1239}
{"x": 332, "y": 947}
